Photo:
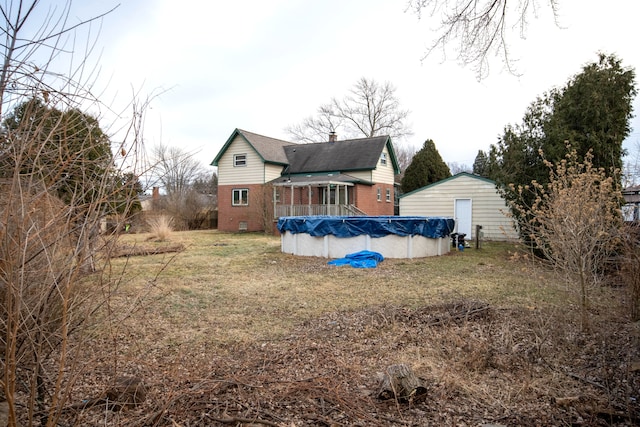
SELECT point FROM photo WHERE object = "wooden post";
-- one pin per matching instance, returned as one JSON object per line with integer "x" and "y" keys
{"x": 478, "y": 231}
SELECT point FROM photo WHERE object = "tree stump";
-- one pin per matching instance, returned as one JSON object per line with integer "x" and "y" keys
{"x": 127, "y": 392}
{"x": 400, "y": 383}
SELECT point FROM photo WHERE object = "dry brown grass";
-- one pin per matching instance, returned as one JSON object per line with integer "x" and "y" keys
{"x": 233, "y": 330}
{"x": 160, "y": 227}
{"x": 243, "y": 288}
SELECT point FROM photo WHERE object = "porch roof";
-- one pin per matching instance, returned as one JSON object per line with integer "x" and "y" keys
{"x": 317, "y": 180}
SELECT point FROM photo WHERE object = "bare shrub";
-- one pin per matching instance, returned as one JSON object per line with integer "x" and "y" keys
{"x": 59, "y": 179}
{"x": 574, "y": 222}
{"x": 190, "y": 210}
{"x": 160, "y": 227}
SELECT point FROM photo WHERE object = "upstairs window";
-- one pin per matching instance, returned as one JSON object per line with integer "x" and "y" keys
{"x": 383, "y": 159}
{"x": 240, "y": 197}
{"x": 239, "y": 160}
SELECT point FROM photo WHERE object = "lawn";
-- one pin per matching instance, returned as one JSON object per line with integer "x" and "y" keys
{"x": 230, "y": 331}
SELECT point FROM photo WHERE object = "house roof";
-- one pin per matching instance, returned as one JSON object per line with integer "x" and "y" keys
{"x": 343, "y": 156}
{"x": 458, "y": 175}
{"x": 269, "y": 149}
{"x": 326, "y": 157}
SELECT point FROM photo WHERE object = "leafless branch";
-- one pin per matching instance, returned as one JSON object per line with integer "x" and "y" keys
{"x": 480, "y": 28}
{"x": 369, "y": 109}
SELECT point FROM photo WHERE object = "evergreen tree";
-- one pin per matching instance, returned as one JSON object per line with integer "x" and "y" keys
{"x": 480, "y": 164}
{"x": 591, "y": 112}
{"x": 426, "y": 168}
{"x": 67, "y": 151}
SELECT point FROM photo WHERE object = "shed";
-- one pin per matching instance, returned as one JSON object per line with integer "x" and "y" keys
{"x": 631, "y": 207}
{"x": 471, "y": 199}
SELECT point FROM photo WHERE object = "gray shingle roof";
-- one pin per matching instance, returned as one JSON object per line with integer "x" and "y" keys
{"x": 270, "y": 149}
{"x": 343, "y": 156}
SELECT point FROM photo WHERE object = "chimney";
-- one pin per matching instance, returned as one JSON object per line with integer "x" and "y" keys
{"x": 333, "y": 137}
{"x": 155, "y": 195}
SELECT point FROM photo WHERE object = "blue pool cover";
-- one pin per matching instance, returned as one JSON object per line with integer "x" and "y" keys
{"x": 362, "y": 259}
{"x": 374, "y": 226}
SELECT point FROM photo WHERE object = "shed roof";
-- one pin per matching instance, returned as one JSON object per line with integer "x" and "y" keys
{"x": 456, "y": 176}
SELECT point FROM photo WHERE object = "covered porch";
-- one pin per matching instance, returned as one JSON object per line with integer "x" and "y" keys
{"x": 314, "y": 195}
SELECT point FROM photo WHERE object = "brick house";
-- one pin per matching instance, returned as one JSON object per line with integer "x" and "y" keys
{"x": 261, "y": 179}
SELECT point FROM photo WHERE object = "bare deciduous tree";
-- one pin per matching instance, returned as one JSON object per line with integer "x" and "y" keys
{"x": 404, "y": 155}
{"x": 174, "y": 168}
{"x": 631, "y": 173}
{"x": 183, "y": 178}
{"x": 480, "y": 28}
{"x": 457, "y": 168}
{"x": 370, "y": 109}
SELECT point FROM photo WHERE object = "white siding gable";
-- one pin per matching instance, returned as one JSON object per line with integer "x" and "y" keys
{"x": 384, "y": 173}
{"x": 254, "y": 172}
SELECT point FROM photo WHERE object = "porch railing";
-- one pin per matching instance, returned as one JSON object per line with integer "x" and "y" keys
{"x": 306, "y": 210}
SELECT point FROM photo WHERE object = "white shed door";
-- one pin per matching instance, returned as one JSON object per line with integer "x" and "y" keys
{"x": 463, "y": 216}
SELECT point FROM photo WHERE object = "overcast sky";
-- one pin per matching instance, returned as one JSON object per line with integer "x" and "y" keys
{"x": 262, "y": 65}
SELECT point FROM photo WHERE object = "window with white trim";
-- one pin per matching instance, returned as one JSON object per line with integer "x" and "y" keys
{"x": 239, "y": 160}
{"x": 383, "y": 159}
{"x": 379, "y": 194}
{"x": 388, "y": 194}
{"x": 240, "y": 197}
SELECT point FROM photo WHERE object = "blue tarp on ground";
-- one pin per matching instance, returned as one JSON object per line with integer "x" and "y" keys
{"x": 374, "y": 226}
{"x": 362, "y": 259}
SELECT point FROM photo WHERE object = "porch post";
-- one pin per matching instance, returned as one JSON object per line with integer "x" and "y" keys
{"x": 291, "y": 208}
{"x": 346, "y": 195}
{"x": 274, "y": 202}
{"x": 336, "y": 211}
{"x": 330, "y": 195}
{"x": 327, "y": 199}
{"x": 309, "y": 210}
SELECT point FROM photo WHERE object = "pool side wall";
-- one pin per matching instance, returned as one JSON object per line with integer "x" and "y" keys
{"x": 390, "y": 246}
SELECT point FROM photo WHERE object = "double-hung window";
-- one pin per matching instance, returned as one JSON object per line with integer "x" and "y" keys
{"x": 388, "y": 194}
{"x": 240, "y": 197}
{"x": 379, "y": 194}
{"x": 383, "y": 159}
{"x": 239, "y": 160}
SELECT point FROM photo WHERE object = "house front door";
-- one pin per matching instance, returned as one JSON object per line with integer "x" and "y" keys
{"x": 463, "y": 216}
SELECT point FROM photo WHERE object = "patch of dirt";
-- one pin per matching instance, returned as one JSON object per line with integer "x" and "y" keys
{"x": 480, "y": 365}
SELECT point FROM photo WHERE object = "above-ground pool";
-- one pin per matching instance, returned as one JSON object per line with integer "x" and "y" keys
{"x": 391, "y": 236}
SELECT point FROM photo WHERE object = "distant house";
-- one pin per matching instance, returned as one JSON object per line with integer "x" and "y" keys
{"x": 631, "y": 208}
{"x": 261, "y": 179}
{"x": 470, "y": 199}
